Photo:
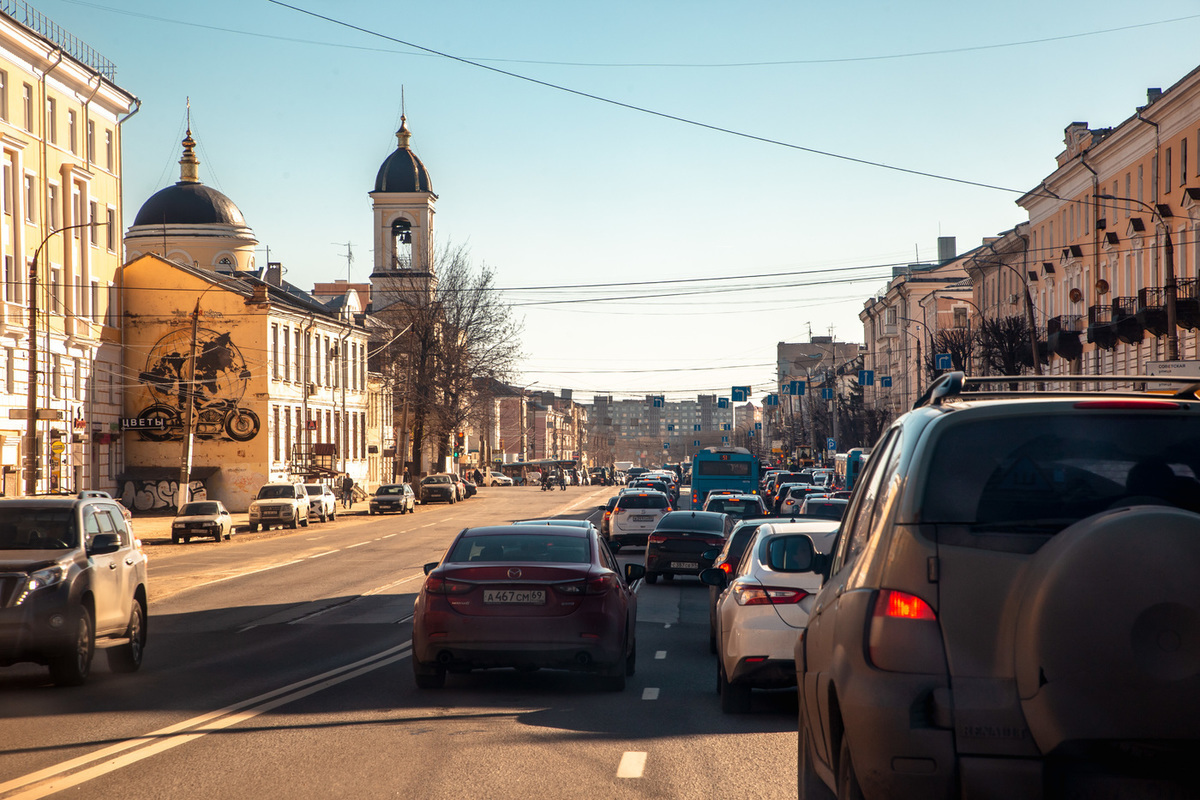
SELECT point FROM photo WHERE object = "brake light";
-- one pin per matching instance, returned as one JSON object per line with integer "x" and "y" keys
{"x": 654, "y": 539}
{"x": 767, "y": 596}
{"x": 436, "y": 585}
{"x": 726, "y": 567}
{"x": 902, "y": 605}
{"x": 602, "y": 584}
{"x": 1128, "y": 405}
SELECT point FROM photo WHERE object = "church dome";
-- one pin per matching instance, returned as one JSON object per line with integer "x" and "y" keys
{"x": 402, "y": 171}
{"x": 189, "y": 204}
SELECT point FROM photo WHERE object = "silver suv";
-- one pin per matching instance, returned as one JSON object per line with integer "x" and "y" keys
{"x": 1012, "y": 608}
{"x": 279, "y": 504}
{"x": 70, "y": 573}
{"x": 321, "y": 501}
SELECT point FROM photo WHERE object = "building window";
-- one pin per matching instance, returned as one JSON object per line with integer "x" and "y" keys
{"x": 72, "y": 132}
{"x": 287, "y": 432}
{"x": 7, "y": 190}
{"x": 4, "y": 95}
{"x": 30, "y": 199}
{"x": 12, "y": 281}
{"x": 1167, "y": 171}
{"x": 77, "y": 378}
{"x": 1183, "y": 157}
{"x": 10, "y": 371}
{"x": 298, "y": 376}
{"x": 52, "y": 207}
{"x": 91, "y": 141}
{"x": 93, "y": 212}
{"x": 108, "y": 149}
{"x": 287, "y": 353}
{"x": 110, "y": 312}
{"x": 275, "y": 352}
{"x": 960, "y": 318}
{"x": 275, "y": 431}
{"x": 52, "y": 120}
{"x": 27, "y": 105}
{"x": 110, "y": 216}
{"x": 95, "y": 302}
{"x": 56, "y": 375}
{"x": 56, "y": 290}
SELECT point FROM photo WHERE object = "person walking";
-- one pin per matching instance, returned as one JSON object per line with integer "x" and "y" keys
{"x": 347, "y": 491}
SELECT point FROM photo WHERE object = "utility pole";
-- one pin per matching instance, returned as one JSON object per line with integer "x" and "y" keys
{"x": 185, "y": 468}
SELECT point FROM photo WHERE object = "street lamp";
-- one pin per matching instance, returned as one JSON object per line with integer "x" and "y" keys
{"x": 1169, "y": 287}
{"x": 31, "y": 409}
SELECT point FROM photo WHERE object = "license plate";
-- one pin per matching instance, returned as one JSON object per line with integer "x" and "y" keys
{"x": 684, "y": 565}
{"x": 641, "y": 518}
{"x": 526, "y": 597}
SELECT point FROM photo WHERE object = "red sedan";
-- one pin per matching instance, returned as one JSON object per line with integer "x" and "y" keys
{"x": 526, "y": 596}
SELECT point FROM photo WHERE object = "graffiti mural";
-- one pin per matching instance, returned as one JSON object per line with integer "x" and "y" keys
{"x": 221, "y": 377}
{"x": 149, "y": 494}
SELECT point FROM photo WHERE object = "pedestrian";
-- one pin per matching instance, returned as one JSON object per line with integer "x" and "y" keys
{"x": 478, "y": 476}
{"x": 347, "y": 491}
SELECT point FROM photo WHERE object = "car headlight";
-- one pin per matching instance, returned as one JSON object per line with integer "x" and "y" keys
{"x": 42, "y": 579}
{"x": 178, "y": 525}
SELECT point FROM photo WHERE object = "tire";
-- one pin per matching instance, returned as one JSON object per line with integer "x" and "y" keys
{"x": 428, "y": 676}
{"x": 241, "y": 424}
{"x": 73, "y": 668}
{"x": 370, "y": 512}
{"x": 253, "y": 527}
{"x": 295, "y": 523}
{"x": 128, "y": 657}
{"x": 613, "y": 680}
{"x": 187, "y": 540}
{"x": 651, "y": 577}
{"x": 847, "y": 779}
{"x": 304, "y": 522}
{"x": 220, "y": 535}
{"x": 333, "y": 514}
{"x": 174, "y": 538}
{"x": 735, "y": 697}
{"x": 809, "y": 785}
{"x": 712, "y": 640}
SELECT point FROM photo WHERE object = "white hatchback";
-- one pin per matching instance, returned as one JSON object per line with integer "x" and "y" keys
{"x": 763, "y": 606}
{"x": 636, "y": 514}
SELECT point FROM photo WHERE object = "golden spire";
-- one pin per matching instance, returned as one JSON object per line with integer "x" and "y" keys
{"x": 404, "y": 134}
{"x": 188, "y": 172}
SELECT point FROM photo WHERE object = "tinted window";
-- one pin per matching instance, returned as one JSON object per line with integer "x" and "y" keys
{"x": 271, "y": 492}
{"x": 687, "y": 521}
{"x": 523, "y": 548}
{"x": 197, "y": 509}
{"x": 642, "y": 501}
{"x": 1051, "y": 471}
{"x": 37, "y": 529}
{"x": 738, "y": 469}
{"x": 437, "y": 479}
{"x": 390, "y": 490}
{"x": 858, "y": 519}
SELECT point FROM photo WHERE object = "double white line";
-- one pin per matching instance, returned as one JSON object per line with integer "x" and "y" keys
{"x": 76, "y": 771}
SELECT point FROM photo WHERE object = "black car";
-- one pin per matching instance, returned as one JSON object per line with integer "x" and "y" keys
{"x": 679, "y": 541}
{"x": 393, "y": 497}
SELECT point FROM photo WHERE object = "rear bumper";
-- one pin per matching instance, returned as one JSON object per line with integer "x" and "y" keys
{"x": 774, "y": 673}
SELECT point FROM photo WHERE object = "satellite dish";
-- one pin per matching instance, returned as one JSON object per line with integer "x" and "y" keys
{"x": 1102, "y": 286}
{"x": 1076, "y": 295}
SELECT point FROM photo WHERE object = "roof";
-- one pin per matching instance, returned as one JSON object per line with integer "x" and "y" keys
{"x": 402, "y": 171}
{"x": 188, "y": 203}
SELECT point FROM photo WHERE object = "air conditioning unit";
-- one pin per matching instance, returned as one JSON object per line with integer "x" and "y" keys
{"x": 312, "y": 389}
{"x": 1013, "y": 298}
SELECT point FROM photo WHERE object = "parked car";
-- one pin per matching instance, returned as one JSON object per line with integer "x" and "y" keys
{"x": 762, "y": 606}
{"x": 518, "y": 596}
{"x": 72, "y": 574}
{"x": 498, "y": 479}
{"x": 279, "y": 504}
{"x": 439, "y": 488}
{"x": 322, "y": 503}
{"x": 743, "y": 506}
{"x": 635, "y": 514}
{"x": 202, "y": 518}
{"x": 679, "y": 541}
{"x": 393, "y": 497}
{"x": 1009, "y": 600}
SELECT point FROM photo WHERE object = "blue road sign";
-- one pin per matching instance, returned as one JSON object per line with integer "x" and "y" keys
{"x": 866, "y": 377}
{"x": 826, "y": 393}
{"x": 885, "y": 381}
{"x": 740, "y": 394}
{"x": 943, "y": 361}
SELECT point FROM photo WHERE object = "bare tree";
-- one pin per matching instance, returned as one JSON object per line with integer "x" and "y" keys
{"x": 450, "y": 326}
{"x": 959, "y": 343}
{"x": 1004, "y": 346}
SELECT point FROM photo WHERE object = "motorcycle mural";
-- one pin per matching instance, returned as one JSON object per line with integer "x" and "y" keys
{"x": 221, "y": 378}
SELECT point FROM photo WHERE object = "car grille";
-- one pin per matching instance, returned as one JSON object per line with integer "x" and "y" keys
{"x": 10, "y": 584}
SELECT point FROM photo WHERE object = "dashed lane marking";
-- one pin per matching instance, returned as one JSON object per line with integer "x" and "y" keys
{"x": 650, "y": 693}
{"x": 632, "y": 765}
{"x": 326, "y": 553}
{"x": 659, "y": 655}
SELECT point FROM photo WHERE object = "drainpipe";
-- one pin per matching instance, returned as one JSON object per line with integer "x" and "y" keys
{"x": 1077, "y": 365}
{"x": 306, "y": 435}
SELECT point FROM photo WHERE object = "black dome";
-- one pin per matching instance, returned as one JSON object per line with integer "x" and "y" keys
{"x": 402, "y": 171}
{"x": 188, "y": 203}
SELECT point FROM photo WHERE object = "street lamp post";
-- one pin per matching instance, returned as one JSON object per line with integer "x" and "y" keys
{"x": 1169, "y": 286}
{"x": 31, "y": 415}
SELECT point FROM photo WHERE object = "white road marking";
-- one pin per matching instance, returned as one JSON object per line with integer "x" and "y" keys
{"x": 390, "y": 535}
{"x": 248, "y": 572}
{"x": 352, "y": 546}
{"x": 660, "y": 654}
{"x": 430, "y": 525}
{"x": 650, "y": 693}
{"x": 54, "y": 779}
{"x": 632, "y": 765}
{"x": 326, "y": 553}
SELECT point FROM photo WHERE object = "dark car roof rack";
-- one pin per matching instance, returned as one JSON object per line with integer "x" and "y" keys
{"x": 957, "y": 384}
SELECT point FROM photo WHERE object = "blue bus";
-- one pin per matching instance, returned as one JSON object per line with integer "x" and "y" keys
{"x": 847, "y": 467}
{"x": 732, "y": 468}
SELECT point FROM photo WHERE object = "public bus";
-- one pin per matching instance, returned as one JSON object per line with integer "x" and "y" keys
{"x": 847, "y": 467}
{"x": 731, "y": 468}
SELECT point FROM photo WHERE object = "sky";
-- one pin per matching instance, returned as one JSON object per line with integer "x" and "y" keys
{"x": 664, "y": 190}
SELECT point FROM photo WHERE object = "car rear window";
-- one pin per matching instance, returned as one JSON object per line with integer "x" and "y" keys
{"x": 689, "y": 521}
{"x": 642, "y": 501}
{"x": 523, "y": 548}
{"x": 1041, "y": 474}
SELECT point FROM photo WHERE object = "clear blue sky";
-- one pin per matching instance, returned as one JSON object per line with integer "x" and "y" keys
{"x": 294, "y": 114}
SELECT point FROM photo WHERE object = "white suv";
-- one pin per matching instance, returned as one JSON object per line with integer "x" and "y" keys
{"x": 321, "y": 501}
{"x": 279, "y": 504}
{"x": 636, "y": 514}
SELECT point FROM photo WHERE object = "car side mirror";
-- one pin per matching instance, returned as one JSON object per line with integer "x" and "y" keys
{"x": 714, "y": 576}
{"x": 634, "y": 571}
{"x": 614, "y": 546}
{"x": 792, "y": 554}
{"x": 430, "y": 567}
{"x": 600, "y": 508}
{"x": 104, "y": 543}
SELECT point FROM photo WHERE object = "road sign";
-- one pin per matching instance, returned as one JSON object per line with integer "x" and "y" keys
{"x": 722, "y": 402}
{"x": 57, "y": 447}
{"x": 772, "y": 400}
{"x": 658, "y": 401}
{"x": 866, "y": 377}
{"x": 827, "y": 393}
{"x": 666, "y": 445}
{"x": 831, "y": 444}
{"x": 943, "y": 361}
{"x": 42, "y": 413}
{"x": 670, "y": 427}
{"x": 758, "y": 426}
{"x": 740, "y": 394}
{"x": 885, "y": 381}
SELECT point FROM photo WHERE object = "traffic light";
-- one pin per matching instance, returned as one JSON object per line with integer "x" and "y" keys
{"x": 460, "y": 440}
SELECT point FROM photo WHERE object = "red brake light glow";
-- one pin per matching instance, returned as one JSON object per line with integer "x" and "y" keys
{"x": 901, "y": 605}
{"x": 435, "y": 585}
{"x": 766, "y": 596}
{"x": 1129, "y": 405}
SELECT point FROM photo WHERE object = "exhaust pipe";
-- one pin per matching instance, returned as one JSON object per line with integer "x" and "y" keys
{"x": 583, "y": 659}
{"x": 444, "y": 657}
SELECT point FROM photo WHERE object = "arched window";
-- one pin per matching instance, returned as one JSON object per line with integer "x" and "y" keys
{"x": 225, "y": 262}
{"x": 401, "y": 244}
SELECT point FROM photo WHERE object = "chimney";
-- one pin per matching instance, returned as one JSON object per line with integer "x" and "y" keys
{"x": 274, "y": 274}
{"x": 1152, "y": 95}
{"x": 947, "y": 248}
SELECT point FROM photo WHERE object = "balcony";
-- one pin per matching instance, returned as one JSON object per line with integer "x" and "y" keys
{"x": 1062, "y": 336}
{"x": 1187, "y": 304}
{"x": 1102, "y": 328}
{"x": 1152, "y": 310}
{"x": 1129, "y": 329}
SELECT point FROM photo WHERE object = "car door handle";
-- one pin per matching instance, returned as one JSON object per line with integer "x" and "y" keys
{"x": 112, "y": 565}
{"x": 129, "y": 561}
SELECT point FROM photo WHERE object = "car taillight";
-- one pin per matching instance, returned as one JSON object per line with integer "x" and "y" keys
{"x": 436, "y": 585}
{"x": 602, "y": 584}
{"x": 902, "y": 605}
{"x": 726, "y": 567}
{"x": 1135, "y": 404}
{"x": 767, "y": 596}
{"x": 617, "y": 510}
{"x": 656, "y": 539}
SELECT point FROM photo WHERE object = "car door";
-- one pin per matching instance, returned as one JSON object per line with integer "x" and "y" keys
{"x": 108, "y": 571}
{"x": 821, "y": 639}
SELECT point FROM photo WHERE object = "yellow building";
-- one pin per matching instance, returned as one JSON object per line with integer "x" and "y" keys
{"x": 61, "y": 114}
{"x": 278, "y": 379}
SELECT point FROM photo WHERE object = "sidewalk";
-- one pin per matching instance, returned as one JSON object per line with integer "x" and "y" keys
{"x": 156, "y": 530}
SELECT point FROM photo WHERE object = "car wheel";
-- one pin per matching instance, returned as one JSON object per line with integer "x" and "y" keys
{"x": 174, "y": 538}
{"x": 651, "y": 577}
{"x": 808, "y": 785}
{"x": 128, "y": 657}
{"x": 371, "y": 512}
{"x": 219, "y": 535}
{"x": 613, "y": 680}
{"x": 304, "y": 522}
{"x": 735, "y": 697}
{"x": 333, "y": 514}
{"x": 428, "y": 676}
{"x": 712, "y": 639}
{"x": 72, "y": 668}
{"x": 324, "y": 517}
{"x": 187, "y": 540}
{"x": 253, "y": 527}
{"x": 848, "y": 788}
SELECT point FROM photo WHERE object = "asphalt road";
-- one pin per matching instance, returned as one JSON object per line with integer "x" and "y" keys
{"x": 278, "y": 667}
